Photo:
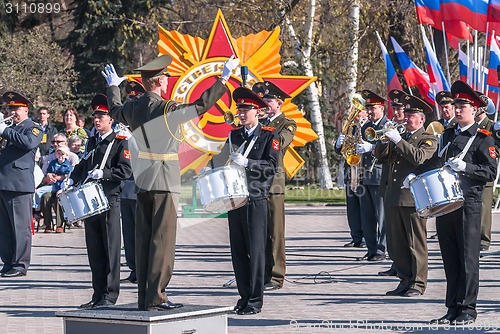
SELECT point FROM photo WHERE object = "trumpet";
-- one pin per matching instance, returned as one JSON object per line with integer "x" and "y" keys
{"x": 371, "y": 134}
{"x": 7, "y": 120}
{"x": 231, "y": 118}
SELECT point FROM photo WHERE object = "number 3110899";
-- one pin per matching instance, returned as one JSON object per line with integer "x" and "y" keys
{"x": 32, "y": 8}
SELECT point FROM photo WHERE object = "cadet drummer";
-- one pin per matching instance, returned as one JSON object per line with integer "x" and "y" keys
{"x": 18, "y": 145}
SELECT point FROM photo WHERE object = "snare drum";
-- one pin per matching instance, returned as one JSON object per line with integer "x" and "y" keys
{"x": 223, "y": 189}
{"x": 436, "y": 192}
{"x": 84, "y": 201}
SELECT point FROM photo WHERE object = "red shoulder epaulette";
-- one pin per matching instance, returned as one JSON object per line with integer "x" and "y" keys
{"x": 268, "y": 128}
{"x": 120, "y": 137}
{"x": 484, "y": 132}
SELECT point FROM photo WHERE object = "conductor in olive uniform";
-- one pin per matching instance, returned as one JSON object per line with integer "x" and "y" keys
{"x": 459, "y": 232}
{"x": 447, "y": 109}
{"x": 156, "y": 127}
{"x": 285, "y": 127}
{"x": 371, "y": 201}
{"x": 248, "y": 224}
{"x": 18, "y": 144}
{"x": 102, "y": 231}
{"x": 407, "y": 245}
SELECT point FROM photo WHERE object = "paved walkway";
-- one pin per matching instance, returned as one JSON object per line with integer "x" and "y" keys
{"x": 326, "y": 288}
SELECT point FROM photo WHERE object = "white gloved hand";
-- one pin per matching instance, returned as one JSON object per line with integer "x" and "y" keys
{"x": 364, "y": 147}
{"x": 458, "y": 165}
{"x": 229, "y": 66}
{"x": 111, "y": 77}
{"x": 3, "y": 126}
{"x": 496, "y": 126}
{"x": 340, "y": 140}
{"x": 96, "y": 174}
{"x": 205, "y": 169}
{"x": 66, "y": 184}
{"x": 393, "y": 135}
{"x": 406, "y": 182}
{"x": 239, "y": 159}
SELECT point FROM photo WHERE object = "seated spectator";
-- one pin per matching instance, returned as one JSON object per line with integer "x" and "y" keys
{"x": 58, "y": 140}
{"x": 75, "y": 144}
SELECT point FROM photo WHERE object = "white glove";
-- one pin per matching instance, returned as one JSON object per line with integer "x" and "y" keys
{"x": 66, "y": 184}
{"x": 458, "y": 165}
{"x": 3, "y": 126}
{"x": 406, "y": 182}
{"x": 340, "y": 140}
{"x": 239, "y": 159}
{"x": 393, "y": 135}
{"x": 229, "y": 66}
{"x": 96, "y": 174}
{"x": 205, "y": 169}
{"x": 111, "y": 77}
{"x": 364, "y": 147}
{"x": 496, "y": 126}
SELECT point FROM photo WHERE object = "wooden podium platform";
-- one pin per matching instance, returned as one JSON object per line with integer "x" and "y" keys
{"x": 126, "y": 319}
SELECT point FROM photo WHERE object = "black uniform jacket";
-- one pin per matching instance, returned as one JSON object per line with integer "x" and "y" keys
{"x": 402, "y": 158}
{"x": 480, "y": 159}
{"x": 262, "y": 159}
{"x": 116, "y": 169}
{"x": 18, "y": 145}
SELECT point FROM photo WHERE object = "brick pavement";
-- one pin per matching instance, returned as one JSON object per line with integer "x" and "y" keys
{"x": 326, "y": 287}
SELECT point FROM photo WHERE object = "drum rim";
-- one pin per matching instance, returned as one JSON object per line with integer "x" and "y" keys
{"x": 212, "y": 170}
{"x": 449, "y": 171}
{"x": 246, "y": 199}
{"x": 462, "y": 200}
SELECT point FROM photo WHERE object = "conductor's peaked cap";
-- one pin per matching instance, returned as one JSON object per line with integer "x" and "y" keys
{"x": 155, "y": 67}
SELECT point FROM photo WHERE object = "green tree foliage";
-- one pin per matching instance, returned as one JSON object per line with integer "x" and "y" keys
{"x": 33, "y": 65}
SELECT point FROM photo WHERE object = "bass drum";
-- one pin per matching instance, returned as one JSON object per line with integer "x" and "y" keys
{"x": 436, "y": 192}
{"x": 223, "y": 189}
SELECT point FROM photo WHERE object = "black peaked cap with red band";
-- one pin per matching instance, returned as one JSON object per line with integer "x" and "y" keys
{"x": 245, "y": 97}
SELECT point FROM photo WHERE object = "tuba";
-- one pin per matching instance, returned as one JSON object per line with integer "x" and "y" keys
{"x": 352, "y": 135}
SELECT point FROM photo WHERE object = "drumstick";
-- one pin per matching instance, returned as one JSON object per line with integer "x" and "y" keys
{"x": 93, "y": 169}
{"x": 239, "y": 150}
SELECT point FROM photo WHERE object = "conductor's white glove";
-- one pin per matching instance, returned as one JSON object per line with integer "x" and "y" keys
{"x": 364, "y": 147}
{"x": 66, "y": 184}
{"x": 239, "y": 159}
{"x": 3, "y": 126}
{"x": 496, "y": 126}
{"x": 205, "y": 169}
{"x": 393, "y": 135}
{"x": 111, "y": 77}
{"x": 96, "y": 174}
{"x": 406, "y": 182}
{"x": 458, "y": 165}
{"x": 340, "y": 140}
{"x": 229, "y": 66}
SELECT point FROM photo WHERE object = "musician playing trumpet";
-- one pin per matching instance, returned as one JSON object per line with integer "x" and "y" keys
{"x": 257, "y": 149}
{"x": 459, "y": 231}
{"x": 406, "y": 231}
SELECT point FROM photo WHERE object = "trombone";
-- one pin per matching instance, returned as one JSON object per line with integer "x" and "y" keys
{"x": 371, "y": 134}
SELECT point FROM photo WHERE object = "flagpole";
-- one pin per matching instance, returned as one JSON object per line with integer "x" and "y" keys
{"x": 496, "y": 107}
{"x": 485, "y": 45}
{"x": 469, "y": 65}
{"x": 445, "y": 52}
{"x": 431, "y": 34}
{"x": 476, "y": 74}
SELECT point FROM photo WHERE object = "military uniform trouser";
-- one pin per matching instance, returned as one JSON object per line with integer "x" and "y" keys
{"x": 275, "y": 247}
{"x": 487, "y": 203}
{"x": 155, "y": 232}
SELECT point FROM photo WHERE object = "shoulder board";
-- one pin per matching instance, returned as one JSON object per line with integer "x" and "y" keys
{"x": 121, "y": 137}
{"x": 172, "y": 105}
{"x": 268, "y": 128}
{"x": 484, "y": 132}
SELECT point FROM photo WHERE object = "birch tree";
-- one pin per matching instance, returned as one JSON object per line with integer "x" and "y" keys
{"x": 303, "y": 53}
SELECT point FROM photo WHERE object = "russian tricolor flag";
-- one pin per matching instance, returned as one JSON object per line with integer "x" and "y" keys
{"x": 472, "y": 12}
{"x": 494, "y": 63}
{"x": 392, "y": 77}
{"x": 436, "y": 75}
{"x": 413, "y": 75}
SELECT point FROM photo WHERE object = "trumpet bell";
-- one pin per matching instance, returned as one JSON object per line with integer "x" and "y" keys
{"x": 435, "y": 127}
{"x": 353, "y": 159}
{"x": 231, "y": 118}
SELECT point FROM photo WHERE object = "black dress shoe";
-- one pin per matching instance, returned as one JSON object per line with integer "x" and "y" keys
{"x": 364, "y": 257}
{"x": 249, "y": 310}
{"x": 168, "y": 305}
{"x": 13, "y": 273}
{"x": 376, "y": 258}
{"x": 463, "y": 319}
{"x": 238, "y": 308}
{"x": 390, "y": 272}
{"x": 349, "y": 244}
{"x": 90, "y": 304}
{"x": 5, "y": 269}
{"x": 360, "y": 245}
{"x": 434, "y": 236}
{"x": 399, "y": 291}
{"x": 271, "y": 286}
{"x": 444, "y": 320}
{"x": 484, "y": 248}
{"x": 411, "y": 292}
{"x": 103, "y": 302}
{"x": 129, "y": 279}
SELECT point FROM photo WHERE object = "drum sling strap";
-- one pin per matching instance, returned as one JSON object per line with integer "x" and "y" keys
{"x": 104, "y": 159}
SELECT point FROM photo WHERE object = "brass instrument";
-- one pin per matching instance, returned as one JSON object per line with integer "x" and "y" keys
{"x": 435, "y": 127}
{"x": 231, "y": 118}
{"x": 352, "y": 136}
{"x": 7, "y": 120}
{"x": 371, "y": 134}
